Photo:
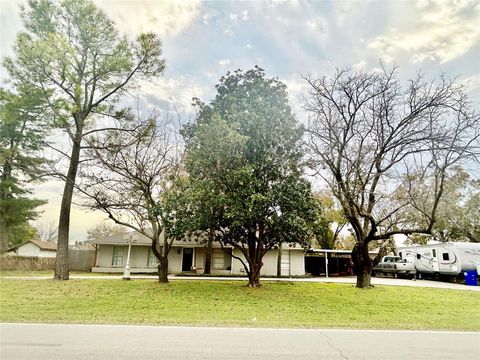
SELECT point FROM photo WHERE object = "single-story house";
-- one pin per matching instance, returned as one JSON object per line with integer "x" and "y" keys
{"x": 186, "y": 256}
{"x": 35, "y": 248}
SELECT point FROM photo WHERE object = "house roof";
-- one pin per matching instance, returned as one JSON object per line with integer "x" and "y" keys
{"x": 314, "y": 251}
{"x": 142, "y": 240}
{"x": 43, "y": 245}
{"x": 122, "y": 239}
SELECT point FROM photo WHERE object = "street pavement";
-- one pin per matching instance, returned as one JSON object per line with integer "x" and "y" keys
{"x": 51, "y": 342}
{"x": 341, "y": 279}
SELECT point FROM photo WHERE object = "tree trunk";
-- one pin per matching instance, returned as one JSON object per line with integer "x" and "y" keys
{"x": 4, "y": 195}
{"x": 3, "y": 237}
{"x": 364, "y": 279}
{"x": 279, "y": 260}
{"x": 208, "y": 253}
{"x": 61, "y": 263}
{"x": 254, "y": 275}
{"x": 163, "y": 271}
{"x": 362, "y": 265}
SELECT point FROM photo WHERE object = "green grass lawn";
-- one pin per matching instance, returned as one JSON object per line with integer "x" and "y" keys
{"x": 230, "y": 303}
{"x": 26, "y": 273}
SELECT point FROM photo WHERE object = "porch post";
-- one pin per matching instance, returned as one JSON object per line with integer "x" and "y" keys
{"x": 194, "y": 260}
{"x": 326, "y": 264}
{"x": 126, "y": 272}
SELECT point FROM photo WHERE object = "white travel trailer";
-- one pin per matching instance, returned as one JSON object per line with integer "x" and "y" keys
{"x": 449, "y": 259}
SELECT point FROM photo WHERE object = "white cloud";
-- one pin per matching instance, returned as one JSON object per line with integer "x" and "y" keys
{"x": 297, "y": 87}
{"x": 10, "y": 24}
{"x": 472, "y": 83}
{"x": 228, "y": 31}
{"x": 359, "y": 65}
{"x": 445, "y": 31}
{"x": 224, "y": 62}
{"x": 317, "y": 26}
{"x": 166, "y": 17}
{"x": 343, "y": 11}
{"x": 275, "y": 3}
{"x": 243, "y": 16}
{"x": 177, "y": 91}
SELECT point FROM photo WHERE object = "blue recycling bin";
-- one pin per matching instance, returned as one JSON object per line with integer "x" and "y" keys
{"x": 471, "y": 278}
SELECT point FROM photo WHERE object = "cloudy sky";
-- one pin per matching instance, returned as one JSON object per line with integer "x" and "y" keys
{"x": 203, "y": 40}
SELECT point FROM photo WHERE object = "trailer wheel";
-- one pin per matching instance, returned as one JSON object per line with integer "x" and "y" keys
{"x": 419, "y": 275}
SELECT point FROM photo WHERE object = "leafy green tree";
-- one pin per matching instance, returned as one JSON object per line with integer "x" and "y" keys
{"x": 71, "y": 53}
{"x": 21, "y": 233}
{"x": 245, "y": 150}
{"x": 21, "y": 138}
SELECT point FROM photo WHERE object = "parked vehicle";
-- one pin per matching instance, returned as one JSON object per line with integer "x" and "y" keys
{"x": 395, "y": 266}
{"x": 443, "y": 259}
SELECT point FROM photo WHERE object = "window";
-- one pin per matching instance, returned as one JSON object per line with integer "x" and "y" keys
{"x": 445, "y": 256}
{"x": 419, "y": 256}
{"x": 152, "y": 259}
{"x": 218, "y": 259}
{"x": 434, "y": 253}
{"x": 117, "y": 258}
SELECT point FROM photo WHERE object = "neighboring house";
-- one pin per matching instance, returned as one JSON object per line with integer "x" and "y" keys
{"x": 35, "y": 248}
{"x": 186, "y": 256}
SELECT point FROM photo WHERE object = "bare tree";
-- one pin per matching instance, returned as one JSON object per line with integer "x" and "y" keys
{"x": 47, "y": 231}
{"x": 105, "y": 229}
{"x": 369, "y": 136}
{"x": 127, "y": 177}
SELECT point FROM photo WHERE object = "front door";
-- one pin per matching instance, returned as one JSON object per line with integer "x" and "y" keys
{"x": 187, "y": 260}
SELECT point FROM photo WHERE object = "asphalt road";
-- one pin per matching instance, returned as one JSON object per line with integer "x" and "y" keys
{"x": 48, "y": 341}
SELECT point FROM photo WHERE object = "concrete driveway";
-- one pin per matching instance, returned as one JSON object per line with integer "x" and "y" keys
{"x": 52, "y": 342}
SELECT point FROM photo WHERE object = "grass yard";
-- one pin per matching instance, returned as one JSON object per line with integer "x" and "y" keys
{"x": 44, "y": 273}
{"x": 230, "y": 303}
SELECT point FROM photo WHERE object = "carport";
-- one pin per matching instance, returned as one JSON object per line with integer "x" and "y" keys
{"x": 328, "y": 262}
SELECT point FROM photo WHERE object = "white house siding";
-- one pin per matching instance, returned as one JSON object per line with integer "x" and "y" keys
{"x": 28, "y": 250}
{"x": 270, "y": 263}
{"x": 139, "y": 255}
{"x": 297, "y": 262}
{"x": 269, "y": 268}
{"x": 175, "y": 260}
{"x": 47, "y": 253}
{"x": 104, "y": 256}
{"x": 199, "y": 262}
